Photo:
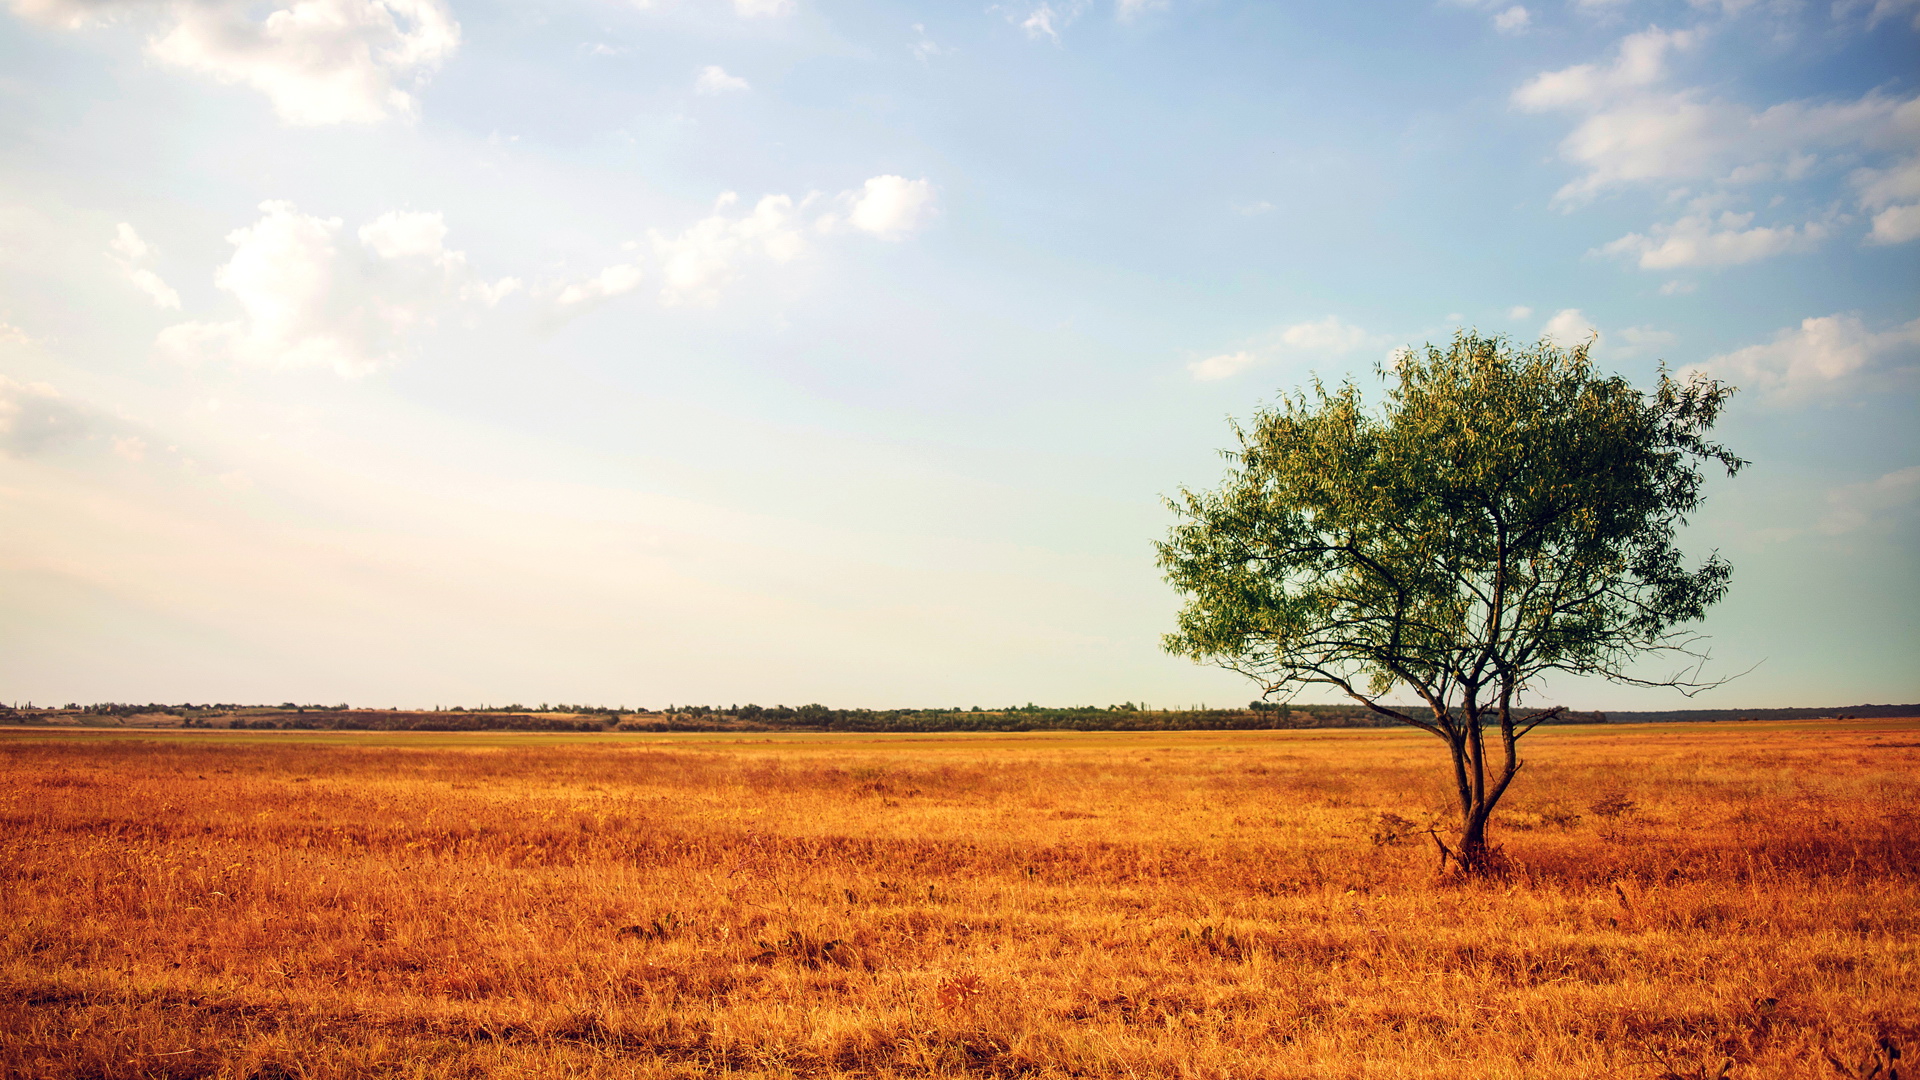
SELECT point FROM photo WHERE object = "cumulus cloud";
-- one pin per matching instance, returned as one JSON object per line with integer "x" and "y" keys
{"x": 1641, "y": 61}
{"x": 1857, "y": 505}
{"x": 129, "y": 252}
{"x": 1508, "y": 18}
{"x": 1520, "y": 311}
{"x": 890, "y": 207}
{"x": 1326, "y": 337}
{"x": 1636, "y": 129}
{"x": 1817, "y": 353}
{"x": 1568, "y": 327}
{"x": 715, "y": 80}
{"x": 761, "y": 9}
{"x": 308, "y": 299}
{"x": 318, "y": 61}
{"x": 1513, "y": 20}
{"x": 403, "y": 235}
{"x": 1894, "y": 195}
{"x": 697, "y": 263}
{"x": 612, "y": 281}
{"x": 1896, "y": 225}
{"x": 1700, "y": 240}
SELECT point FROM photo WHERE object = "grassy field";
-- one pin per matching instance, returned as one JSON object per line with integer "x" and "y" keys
{"x": 1233, "y": 904}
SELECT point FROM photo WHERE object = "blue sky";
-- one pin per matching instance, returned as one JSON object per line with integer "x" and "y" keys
{"x": 408, "y": 352}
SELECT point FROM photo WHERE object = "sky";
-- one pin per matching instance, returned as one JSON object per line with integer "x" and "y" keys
{"x": 434, "y": 352}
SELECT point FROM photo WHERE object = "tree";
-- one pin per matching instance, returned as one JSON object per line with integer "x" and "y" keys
{"x": 1507, "y": 512}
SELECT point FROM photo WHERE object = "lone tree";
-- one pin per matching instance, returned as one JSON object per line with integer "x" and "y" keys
{"x": 1507, "y": 512}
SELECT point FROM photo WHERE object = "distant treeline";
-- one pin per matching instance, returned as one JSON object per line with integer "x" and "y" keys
{"x": 1258, "y": 715}
{"x": 1848, "y": 712}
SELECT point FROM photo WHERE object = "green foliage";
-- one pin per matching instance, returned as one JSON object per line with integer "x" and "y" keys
{"x": 1506, "y": 512}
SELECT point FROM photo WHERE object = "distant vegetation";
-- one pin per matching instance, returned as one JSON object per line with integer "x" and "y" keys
{"x": 1255, "y": 716}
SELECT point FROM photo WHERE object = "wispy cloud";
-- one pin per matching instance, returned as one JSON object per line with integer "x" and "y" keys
{"x": 1324, "y": 338}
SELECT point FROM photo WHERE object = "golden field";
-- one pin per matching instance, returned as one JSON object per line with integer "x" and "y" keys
{"x": 1229, "y": 904}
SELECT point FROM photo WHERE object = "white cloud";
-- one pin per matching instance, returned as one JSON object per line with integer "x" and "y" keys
{"x": 1318, "y": 337}
{"x": 1856, "y": 505}
{"x": 1222, "y": 366}
{"x": 1519, "y": 311}
{"x": 1895, "y": 194}
{"x": 1129, "y": 10}
{"x": 1885, "y": 187}
{"x": 1254, "y": 209}
{"x": 402, "y": 235}
{"x": 754, "y": 9}
{"x": 69, "y": 14}
{"x": 1819, "y": 352}
{"x": 695, "y": 264}
{"x": 126, "y": 244}
{"x": 715, "y": 80}
{"x": 890, "y": 207}
{"x": 1568, "y": 327}
{"x": 1641, "y": 62}
{"x": 309, "y": 301}
{"x": 1879, "y": 10}
{"x": 1510, "y": 19}
{"x": 698, "y": 262}
{"x": 1636, "y": 130}
{"x": 1677, "y": 287}
{"x": 1699, "y": 240}
{"x": 319, "y": 61}
{"x": 1046, "y": 20}
{"x": 399, "y": 235}
{"x": 128, "y": 251}
{"x": 612, "y": 281}
{"x": 1328, "y": 335}
{"x": 1896, "y": 225}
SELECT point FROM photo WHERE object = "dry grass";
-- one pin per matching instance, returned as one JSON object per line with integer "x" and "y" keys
{"x": 1207, "y": 905}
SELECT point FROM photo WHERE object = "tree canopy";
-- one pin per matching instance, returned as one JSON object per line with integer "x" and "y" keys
{"x": 1506, "y": 512}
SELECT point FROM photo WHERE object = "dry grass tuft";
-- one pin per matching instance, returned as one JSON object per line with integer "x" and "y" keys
{"x": 1722, "y": 902}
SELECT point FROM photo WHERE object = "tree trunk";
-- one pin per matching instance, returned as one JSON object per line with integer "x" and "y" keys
{"x": 1472, "y": 852}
